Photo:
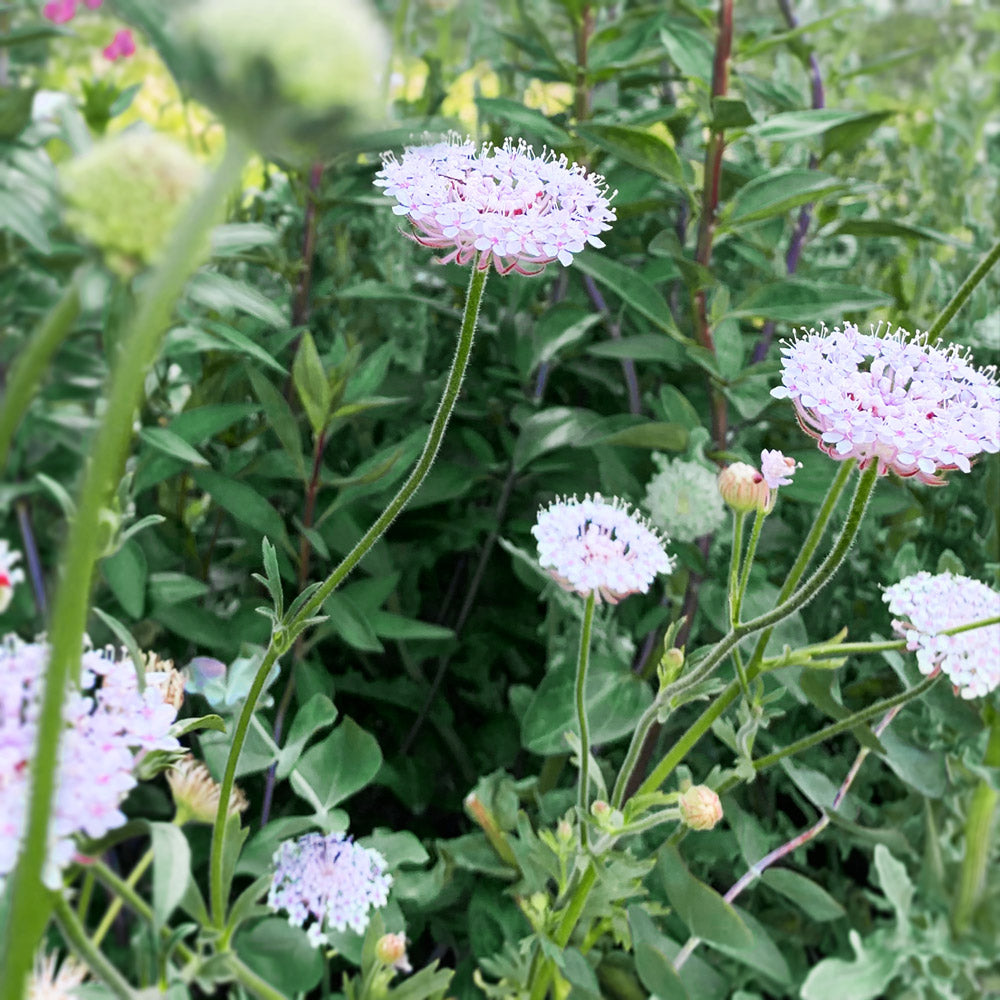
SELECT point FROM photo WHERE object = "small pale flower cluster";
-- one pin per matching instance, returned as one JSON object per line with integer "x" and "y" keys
{"x": 916, "y": 409}
{"x": 110, "y": 723}
{"x": 54, "y": 980}
{"x": 10, "y": 574}
{"x": 932, "y": 603}
{"x": 747, "y": 489}
{"x": 330, "y": 881}
{"x": 504, "y": 205}
{"x": 61, "y": 11}
{"x": 777, "y": 468}
{"x": 683, "y": 499}
{"x": 593, "y": 546}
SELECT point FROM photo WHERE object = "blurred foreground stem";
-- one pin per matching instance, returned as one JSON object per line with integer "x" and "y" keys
{"x": 30, "y": 906}
{"x": 979, "y": 826}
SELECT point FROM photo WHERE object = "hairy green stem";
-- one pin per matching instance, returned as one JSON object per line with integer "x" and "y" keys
{"x": 799, "y": 598}
{"x": 477, "y": 282}
{"x": 965, "y": 290}
{"x": 734, "y": 565}
{"x": 29, "y": 909}
{"x": 979, "y": 826}
{"x": 33, "y": 361}
{"x": 758, "y": 523}
{"x": 251, "y": 982}
{"x": 583, "y": 661}
{"x": 848, "y": 722}
{"x": 88, "y": 952}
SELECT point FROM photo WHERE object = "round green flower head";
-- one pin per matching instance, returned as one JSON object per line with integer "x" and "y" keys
{"x": 299, "y": 79}
{"x": 126, "y": 193}
{"x": 683, "y": 500}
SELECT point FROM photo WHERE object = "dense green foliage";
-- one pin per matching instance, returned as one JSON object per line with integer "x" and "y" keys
{"x": 292, "y": 395}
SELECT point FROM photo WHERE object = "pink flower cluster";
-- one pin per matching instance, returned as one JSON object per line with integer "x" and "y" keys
{"x": 916, "y": 409}
{"x": 503, "y": 205}
{"x": 933, "y": 603}
{"x": 592, "y": 546}
{"x": 61, "y": 11}
{"x": 328, "y": 882}
{"x": 110, "y": 723}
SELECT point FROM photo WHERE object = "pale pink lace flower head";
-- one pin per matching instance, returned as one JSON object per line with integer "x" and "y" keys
{"x": 505, "y": 206}
{"x": 914, "y": 408}
{"x": 599, "y": 547}
{"x": 927, "y": 605}
{"x": 777, "y": 468}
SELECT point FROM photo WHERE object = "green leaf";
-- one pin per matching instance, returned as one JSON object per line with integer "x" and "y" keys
{"x": 280, "y": 418}
{"x": 173, "y": 588}
{"x": 558, "y": 329}
{"x": 171, "y": 864}
{"x": 317, "y": 713}
{"x": 690, "y": 51}
{"x": 529, "y": 121}
{"x": 196, "y": 724}
{"x": 171, "y": 444}
{"x": 342, "y": 764}
{"x": 793, "y": 126}
{"x": 653, "y": 961}
{"x": 233, "y": 237}
{"x": 864, "y": 978}
{"x": 243, "y": 502}
{"x": 895, "y": 882}
{"x": 924, "y": 770}
{"x": 801, "y": 300}
{"x": 387, "y": 625}
{"x": 219, "y": 337}
{"x": 730, "y": 112}
{"x": 204, "y": 422}
{"x": 642, "y": 347}
{"x": 281, "y": 954}
{"x": 631, "y": 287}
{"x": 903, "y": 230}
{"x": 311, "y": 383}
{"x": 642, "y": 434}
{"x": 777, "y": 192}
{"x": 221, "y": 293}
{"x": 557, "y": 427}
{"x": 126, "y": 573}
{"x": 812, "y": 898}
{"x": 636, "y": 146}
{"x": 705, "y": 912}
{"x": 351, "y": 622}
{"x": 761, "y": 954}
{"x": 615, "y": 698}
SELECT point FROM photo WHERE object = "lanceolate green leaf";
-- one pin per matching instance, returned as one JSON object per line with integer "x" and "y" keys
{"x": 637, "y": 146}
{"x": 776, "y": 193}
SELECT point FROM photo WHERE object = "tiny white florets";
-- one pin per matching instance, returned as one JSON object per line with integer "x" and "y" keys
{"x": 927, "y": 605}
{"x": 777, "y": 469}
{"x": 328, "y": 881}
{"x": 599, "y": 547}
{"x": 505, "y": 206}
{"x": 683, "y": 499}
{"x": 914, "y": 408}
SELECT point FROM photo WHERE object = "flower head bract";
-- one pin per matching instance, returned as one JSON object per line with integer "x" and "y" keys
{"x": 328, "y": 881}
{"x": 599, "y": 547}
{"x": 503, "y": 205}
{"x": 914, "y": 408}
{"x": 927, "y": 605}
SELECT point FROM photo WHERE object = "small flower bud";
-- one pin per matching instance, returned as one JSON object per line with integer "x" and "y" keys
{"x": 390, "y": 949}
{"x": 744, "y": 489}
{"x": 564, "y": 831}
{"x": 700, "y": 807}
{"x": 607, "y": 818}
{"x": 126, "y": 193}
{"x": 299, "y": 79}
{"x": 670, "y": 666}
{"x": 196, "y": 793}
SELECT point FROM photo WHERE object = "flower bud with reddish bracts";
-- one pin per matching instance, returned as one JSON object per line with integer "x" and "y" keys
{"x": 744, "y": 489}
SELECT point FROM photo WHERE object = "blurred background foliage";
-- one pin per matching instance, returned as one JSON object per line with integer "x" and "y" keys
{"x": 304, "y": 365}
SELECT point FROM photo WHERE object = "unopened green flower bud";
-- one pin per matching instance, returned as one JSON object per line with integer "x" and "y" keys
{"x": 299, "y": 79}
{"x": 125, "y": 194}
{"x": 744, "y": 489}
{"x": 390, "y": 949}
{"x": 607, "y": 818}
{"x": 670, "y": 666}
{"x": 196, "y": 793}
{"x": 564, "y": 831}
{"x": 700, "y": 807}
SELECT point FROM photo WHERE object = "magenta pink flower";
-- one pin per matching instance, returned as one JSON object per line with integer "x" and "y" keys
{"x": 914, "y": 408}
{"x": 503, "y": 205}
{"x": 122, "y": 45}
{"x": 60, "y": 11}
